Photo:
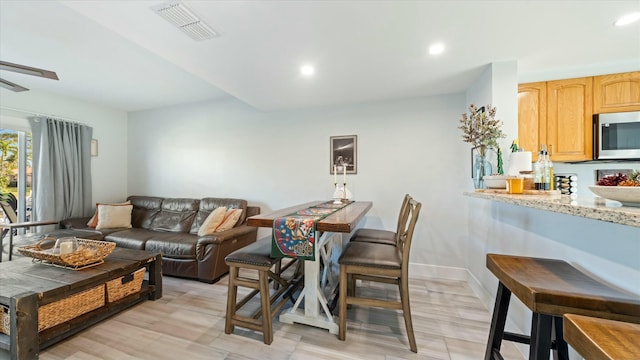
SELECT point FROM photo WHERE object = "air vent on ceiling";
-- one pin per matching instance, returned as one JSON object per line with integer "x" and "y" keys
{"x": 180, "y": 16}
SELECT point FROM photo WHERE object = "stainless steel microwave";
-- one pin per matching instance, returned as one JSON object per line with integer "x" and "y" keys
{"x": 616, "y": 136}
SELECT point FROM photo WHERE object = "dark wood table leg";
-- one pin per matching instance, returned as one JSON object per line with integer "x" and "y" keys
{"x": 24, "y": 327}
{"x": 155, "y": 277}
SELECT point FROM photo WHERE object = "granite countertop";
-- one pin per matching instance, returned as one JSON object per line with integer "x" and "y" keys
{"x": 598, "y": 208}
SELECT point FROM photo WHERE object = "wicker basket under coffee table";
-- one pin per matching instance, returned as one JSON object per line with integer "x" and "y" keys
{"x": 42, "y": 304}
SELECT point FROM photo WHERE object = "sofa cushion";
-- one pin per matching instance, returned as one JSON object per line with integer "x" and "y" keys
{"x": 213, "y": 221}
{"x": 93, "y": 222}
{"x": 114, "y": 216}
{"x": 176, "y": 215}
{"x": 173, "y": 245}
{"x": 130, "y": 238}
{"x": 145, "y": 208}
{"x": 230, "y": 219}
{"x": 207, "y": 205}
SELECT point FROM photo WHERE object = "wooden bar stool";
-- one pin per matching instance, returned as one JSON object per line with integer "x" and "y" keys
{"x": 602, "y": 339}
{"x": 550, "y": 288}
{"x": 257, "y": 257}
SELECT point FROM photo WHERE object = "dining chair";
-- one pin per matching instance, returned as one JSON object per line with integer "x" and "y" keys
{"x": 376, "y": 262}
{"x": 386, "y": 237}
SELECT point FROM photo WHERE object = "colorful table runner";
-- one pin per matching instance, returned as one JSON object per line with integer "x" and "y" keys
{"x": 294, "y": 234}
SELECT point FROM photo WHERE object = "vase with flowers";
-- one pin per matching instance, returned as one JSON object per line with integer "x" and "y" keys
{"x": 481, "y": 129}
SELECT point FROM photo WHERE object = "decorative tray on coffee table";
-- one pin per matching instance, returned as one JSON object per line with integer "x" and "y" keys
{"x": 88, "y": 253}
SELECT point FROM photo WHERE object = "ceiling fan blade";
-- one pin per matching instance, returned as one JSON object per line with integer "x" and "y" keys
{"x": 28, "y": 70}
{"x": 11, "y": 86}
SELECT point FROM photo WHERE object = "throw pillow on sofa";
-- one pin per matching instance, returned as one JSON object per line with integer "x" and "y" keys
{"x": 114, "y": 216}
{"x": 230, "y": 219}
{"x": 212, "y": 221}
{"x": 93, "y": 222}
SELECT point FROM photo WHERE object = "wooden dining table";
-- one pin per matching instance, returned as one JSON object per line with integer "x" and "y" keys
{"x": 333, "y": 233}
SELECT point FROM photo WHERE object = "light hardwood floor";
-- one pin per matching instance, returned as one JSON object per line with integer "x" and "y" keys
{"x": 188, "y": 323}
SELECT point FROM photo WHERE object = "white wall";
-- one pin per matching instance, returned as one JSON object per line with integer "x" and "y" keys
{"x": 109, "y": 168}
{"x": 279, "y": 159}
{"x": 498, "y": 86}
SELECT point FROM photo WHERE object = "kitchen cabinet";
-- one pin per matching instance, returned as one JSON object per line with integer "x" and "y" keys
{"x": 616, "y": 92}
{"x": 532, "y": 116}
{"x": 569, "y": 130}
{"x": 557, "y": 113}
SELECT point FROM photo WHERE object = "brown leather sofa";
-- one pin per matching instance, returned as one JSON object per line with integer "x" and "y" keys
{"x": 170, "y": 226}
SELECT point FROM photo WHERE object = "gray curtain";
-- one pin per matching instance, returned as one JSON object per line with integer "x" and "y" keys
{"x": 61, "y": 183}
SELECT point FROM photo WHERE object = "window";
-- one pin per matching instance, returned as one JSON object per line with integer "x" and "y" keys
{"x": 15, "y": 169}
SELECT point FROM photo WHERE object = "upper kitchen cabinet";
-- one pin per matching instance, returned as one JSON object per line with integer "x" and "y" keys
{"x": 532, "y": 116}
{"x": 616, "y": 92}
{"x": 569, "y": 130}
{"x": 557, "y": 113}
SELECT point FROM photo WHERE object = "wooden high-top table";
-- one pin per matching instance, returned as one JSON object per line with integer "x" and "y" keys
{"x": 332, "y": 233}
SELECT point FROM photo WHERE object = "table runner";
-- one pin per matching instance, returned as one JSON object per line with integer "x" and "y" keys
{"x": 294, "y": 234}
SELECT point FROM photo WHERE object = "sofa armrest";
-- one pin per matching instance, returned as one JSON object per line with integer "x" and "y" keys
{"x": 75, "y": 223}
{"x": 220, "y": 237}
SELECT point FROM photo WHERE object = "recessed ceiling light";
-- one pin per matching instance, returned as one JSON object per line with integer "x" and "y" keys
{"x": 307, "y": 70}
{"x": 436, "y": 49}
{"x": 628, "y": 19}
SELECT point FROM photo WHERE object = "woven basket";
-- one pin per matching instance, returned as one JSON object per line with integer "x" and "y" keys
{"x": 125, "y": 286}
{"x": 70, "y": 307}
{"x": 4, "y": 320}
{"x": 89, "y": 253}
{"x": 62, "y": 310}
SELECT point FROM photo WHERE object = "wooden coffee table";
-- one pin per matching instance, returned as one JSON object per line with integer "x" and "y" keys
{"x": 26, "y": 286}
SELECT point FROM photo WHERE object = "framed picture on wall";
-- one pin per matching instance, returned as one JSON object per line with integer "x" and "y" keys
{"x": 344, "y": 154}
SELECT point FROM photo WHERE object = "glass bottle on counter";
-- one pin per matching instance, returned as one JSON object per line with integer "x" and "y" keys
{"x": 551, "y": 178}
{"x": 546, "y": 172}
{"x": 538, "y": 171}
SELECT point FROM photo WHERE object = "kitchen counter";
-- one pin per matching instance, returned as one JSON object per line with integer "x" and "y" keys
{"x": 610, "y": 211}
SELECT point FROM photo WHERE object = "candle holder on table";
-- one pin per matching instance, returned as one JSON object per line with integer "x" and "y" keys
{"x": 341, "y": 194}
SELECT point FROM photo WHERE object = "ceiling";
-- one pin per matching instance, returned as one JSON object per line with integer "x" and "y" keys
{"x": 122, "y": 55}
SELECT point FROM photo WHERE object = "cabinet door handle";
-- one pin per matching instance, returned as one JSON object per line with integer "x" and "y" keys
{"x": 550, "y": 149}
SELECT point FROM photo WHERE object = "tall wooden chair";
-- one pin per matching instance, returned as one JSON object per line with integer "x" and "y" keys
{"x": 256, "y": 258}
{"x": 381, "y": 236}
{"x": 379, "y": 263}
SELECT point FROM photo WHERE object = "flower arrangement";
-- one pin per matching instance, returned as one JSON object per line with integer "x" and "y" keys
{"x": 480, "y": 128}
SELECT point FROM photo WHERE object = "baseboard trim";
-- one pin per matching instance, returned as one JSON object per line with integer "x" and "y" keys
{"x": 426, "y": 271}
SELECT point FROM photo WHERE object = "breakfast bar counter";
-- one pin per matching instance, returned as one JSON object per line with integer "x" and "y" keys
{"x": 598, "y": 209}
